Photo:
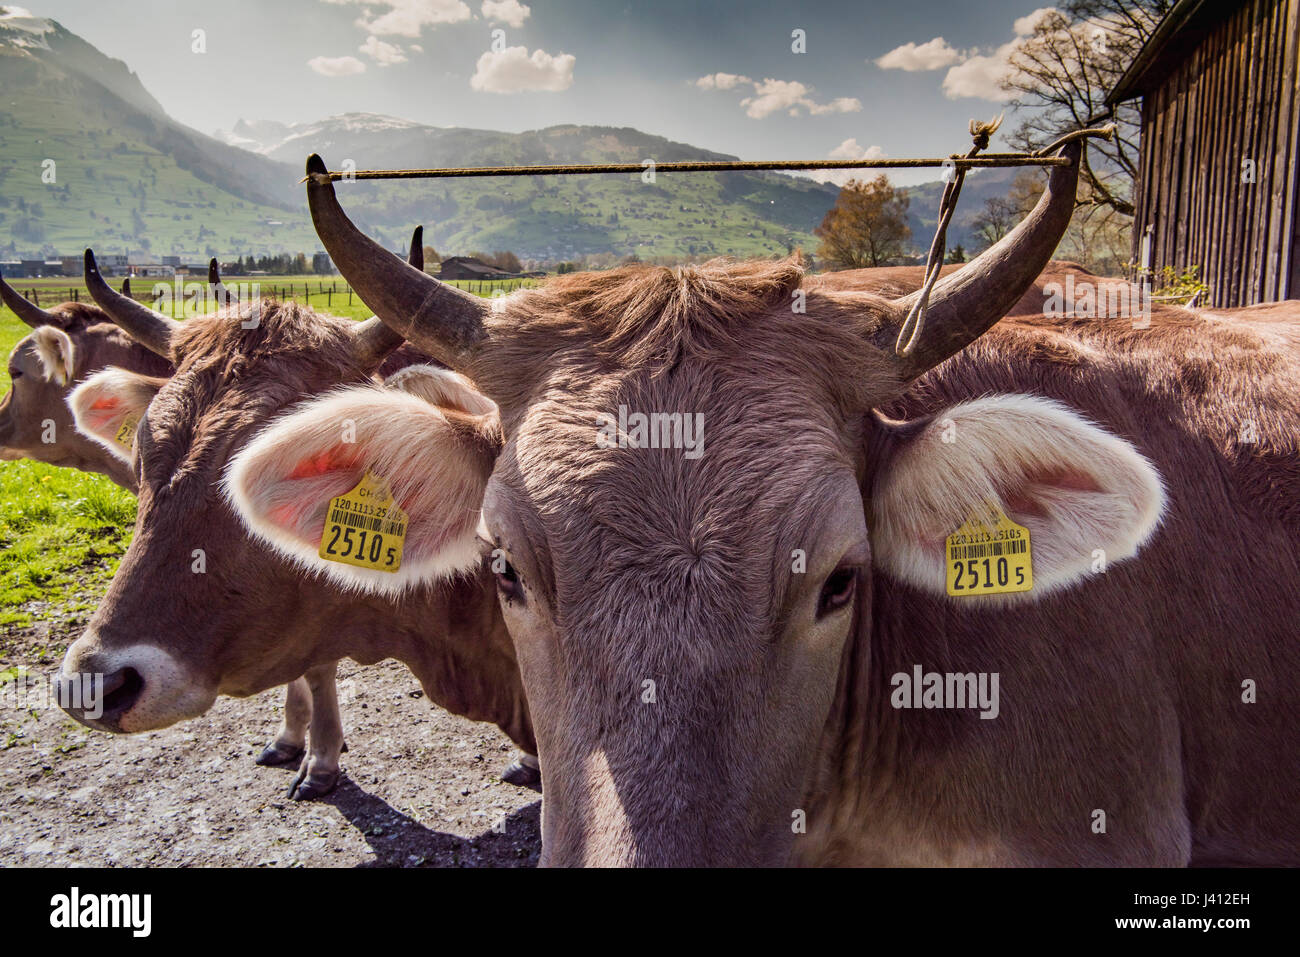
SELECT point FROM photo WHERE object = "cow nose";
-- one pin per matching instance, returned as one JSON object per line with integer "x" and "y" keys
{"x": 100, "y": 701}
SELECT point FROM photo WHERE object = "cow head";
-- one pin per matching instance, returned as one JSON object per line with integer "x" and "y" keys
{"x": 68, "y": 343}
{"x": 197, "y": 608}
{"x": 686, "y": 591}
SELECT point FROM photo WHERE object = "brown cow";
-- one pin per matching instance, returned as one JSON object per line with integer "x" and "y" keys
{"x": 168, "y": 640}
{"x": 69, "y": 342}
{"x": 750, "y": 655}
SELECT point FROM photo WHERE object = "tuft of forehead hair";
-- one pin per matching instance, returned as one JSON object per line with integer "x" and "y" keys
{"x": 285, "y": 330}
{"x": 80, "y": 314}
{"x": 229, "y": 378}
{"x": 655, "y": 317}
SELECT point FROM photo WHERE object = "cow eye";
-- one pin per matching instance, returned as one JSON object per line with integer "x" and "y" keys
{"x": 508, "y": 582}
{"x": 15, "y": 373}
{"x": 837, "y": 591}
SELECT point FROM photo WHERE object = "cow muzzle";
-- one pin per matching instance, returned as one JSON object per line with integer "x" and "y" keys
{"x": 127, "y": 690}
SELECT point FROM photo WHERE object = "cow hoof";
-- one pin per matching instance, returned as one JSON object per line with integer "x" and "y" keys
{"x": 276, "y": 754}
{"x": 523, "y": 776}
{"x": 308, "y": 787}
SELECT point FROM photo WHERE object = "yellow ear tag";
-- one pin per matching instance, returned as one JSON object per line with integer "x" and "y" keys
{"x": 364, "y": 527}
{"x": 125, "y": 436}
{"x": 989, "y": 555}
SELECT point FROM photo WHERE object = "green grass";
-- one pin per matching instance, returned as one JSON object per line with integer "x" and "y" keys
{"x": 61, "y": 531}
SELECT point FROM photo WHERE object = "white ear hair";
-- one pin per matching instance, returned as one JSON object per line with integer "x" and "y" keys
{"x": 107, "y": 402}
{"x": 1077, "y": 488}
{"x": 55, "y": 351}
{"x": 436, "y": 463}
{"x": 443, "y": 387}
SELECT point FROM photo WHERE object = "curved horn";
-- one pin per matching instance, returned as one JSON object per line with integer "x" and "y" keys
{"x": 967, "y": 303}
{"x": 219, "y": 290}
{"x": 31, "y": 314}
{"x": 141, "y": 323}
{"x": 442, "y": 320}
{"x": 126, "y": 287}
{"x": 374, "y": 340}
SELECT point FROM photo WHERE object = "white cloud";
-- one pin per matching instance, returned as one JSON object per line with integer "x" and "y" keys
{"x": 385, "y": 54}
{"x": 848, "y": 150}
{"x": 721, "y": 81}
{"x": 406, "y": 18}
{"x": 981, "y": 77}
{"x": 931, "y": 55}
{"x": 510, "y": 12}
{"x": 973, "y": 73}
{"x": 513, "y": 70}
{"x": 1024, "y": 26}
{"x": 773, "y": 96}
{"x": 841, "y": 104}
{"x": 336, "y": 65}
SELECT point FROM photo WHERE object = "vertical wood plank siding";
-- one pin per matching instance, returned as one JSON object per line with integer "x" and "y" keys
{"x": 1236, "y": 97}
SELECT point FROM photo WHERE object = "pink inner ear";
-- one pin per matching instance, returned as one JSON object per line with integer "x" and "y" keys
{"x": 331, "y": 460}
{"x": 106, "y": 403}
{"x": 1022, "y": 502}
{"x": 1069, "y": 479}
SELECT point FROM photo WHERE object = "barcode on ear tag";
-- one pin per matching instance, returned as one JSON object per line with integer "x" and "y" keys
{"x": 364, "y": 527}
{"x": 989, "y": 555}
{"x": 125, "y": 435}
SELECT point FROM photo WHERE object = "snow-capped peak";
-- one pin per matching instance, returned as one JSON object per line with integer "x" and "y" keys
{"x": 20, "y": 29}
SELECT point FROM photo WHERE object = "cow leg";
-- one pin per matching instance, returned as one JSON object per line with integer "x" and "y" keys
{"x": 524, "y": 771}
{"x": 289, "y": 743}
{"x": 319, "y": 772}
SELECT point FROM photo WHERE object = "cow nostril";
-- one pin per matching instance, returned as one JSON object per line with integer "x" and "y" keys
{"x": 120, "y": 690}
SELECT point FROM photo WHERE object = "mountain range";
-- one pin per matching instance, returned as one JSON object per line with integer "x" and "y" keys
{"x": 127, "y": 178}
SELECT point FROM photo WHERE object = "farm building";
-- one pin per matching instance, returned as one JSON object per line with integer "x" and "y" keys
{"x": 466, "y": 267}
{"x": 1219, "y": 175}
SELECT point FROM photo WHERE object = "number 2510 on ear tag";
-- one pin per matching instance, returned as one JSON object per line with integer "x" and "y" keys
{"x": 989, "y": 555}
{"x": 364, "y": 527}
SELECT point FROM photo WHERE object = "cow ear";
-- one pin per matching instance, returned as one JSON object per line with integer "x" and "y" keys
{"x": 55, "y": 351}
{"x": 109, "y": 405}
{"x": 436, "y": 462}
{"x": 1082, "y": 493}
{"x": 441, "y": 387}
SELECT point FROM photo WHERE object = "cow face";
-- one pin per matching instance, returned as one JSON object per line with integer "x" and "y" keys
{"x": 685, "y": 610}
{"x": 684, "y": 603}
{"x": 189, "y": 613}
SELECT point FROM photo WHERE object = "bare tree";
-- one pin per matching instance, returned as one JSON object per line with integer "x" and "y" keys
{"x": 1060, "y": 77}
{"x": 1001, "y": 213}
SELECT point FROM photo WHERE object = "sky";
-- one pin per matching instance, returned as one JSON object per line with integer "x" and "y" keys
{"x": 761, "y": 80}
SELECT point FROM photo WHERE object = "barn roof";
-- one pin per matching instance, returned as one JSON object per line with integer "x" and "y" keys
{"x": 1178, "y": 34}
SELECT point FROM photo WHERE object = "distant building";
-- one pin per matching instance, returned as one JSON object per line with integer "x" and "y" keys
{"x": 152, "y": 270}
{"x": 13, "y": 269}
{"x": 112, "y": 265}
{"x": 52, "y": 267}
{"x": 73, "y": 265}
{"x": 171, "y": 260}
{"x": 321, "y": 264}
{"x": 466, "y": 267}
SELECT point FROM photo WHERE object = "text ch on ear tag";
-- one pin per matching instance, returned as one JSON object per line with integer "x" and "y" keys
{"x": 365, "y": 527}
{"x": 989, "y": 555}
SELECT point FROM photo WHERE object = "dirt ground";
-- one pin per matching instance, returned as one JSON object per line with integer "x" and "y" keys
{"x": 420, "y": 787}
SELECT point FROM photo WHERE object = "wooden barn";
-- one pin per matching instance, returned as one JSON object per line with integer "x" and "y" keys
{"x": 1219, "y": 178}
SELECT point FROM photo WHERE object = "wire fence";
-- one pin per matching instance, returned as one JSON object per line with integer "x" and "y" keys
{"x": 142, "y": 289}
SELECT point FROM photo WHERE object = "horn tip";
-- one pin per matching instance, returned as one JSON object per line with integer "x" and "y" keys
{"x": 316, "y": 165}
{"x": 418, "y": 235}
{"x": 91, "y": 265}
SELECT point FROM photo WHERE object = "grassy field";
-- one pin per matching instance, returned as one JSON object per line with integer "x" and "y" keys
{"x": 62, "y": 532}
